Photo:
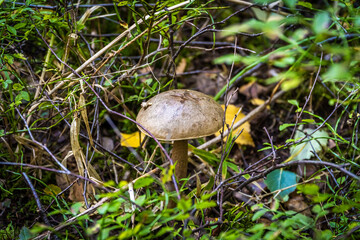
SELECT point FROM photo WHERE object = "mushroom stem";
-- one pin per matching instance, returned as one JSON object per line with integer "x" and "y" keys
{"x": 180, "y": 158}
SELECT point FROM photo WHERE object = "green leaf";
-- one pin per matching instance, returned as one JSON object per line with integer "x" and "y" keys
{"x": 281, "y": 179}
{"x": 210, "y": 158}
{"x": 143, "y": 182}
{"x": 285, "y": 125}
{"x": 264, "y": 1}
{"x": 321, "y": 22}
{"x": 115, "y": 205}
{"x": 323, "y": 235}
{"x": 38, "y": 228}
{"x": 224, "y": 170}
{"x": 228, "y": 59}
{"x": 305, "y": 150}
{"x": 20, "y": 56}
{"x": 337, "y": 72}
{"x": 184, "y": 204}
{"x": 123, "y": 217}
{"x": 22, "y": 96}
{"x": 293, "y": 102}
{"x": 342, "y": 208}
{"x": 163, "y": 230}
{"x": 290, "y": 3}
{"x": 20, "y": 25}
{"x": 6, "y": 83}
{"x": 261, "y": 14}
{"x": 11, "y": 29}
{"x": 75, "y": 208}
{"x": 141, "y": 200}
{"x": 18, "y": 87}
{"x": 122, "y": 3}
{"x": 103, "y": 209}
{"x": 9, "y": 58}
{"x": 25, "y": 234}
{"x": 320, "y": 197}
{"x": 205, "y": 204}
{"x": 302, "y": 221}
{"x": 309, "y": 189}
{"x": 259, "y": 214}
{"x": 207, "y": 195}
{"x": 305, "y": 4}
{"x": 209, "y": 184}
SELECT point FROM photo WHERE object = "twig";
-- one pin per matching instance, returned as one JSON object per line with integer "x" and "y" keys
{"x": 53, "y": 170}
{"x": 40, "y": 144}
{"x": 37, "y": 200}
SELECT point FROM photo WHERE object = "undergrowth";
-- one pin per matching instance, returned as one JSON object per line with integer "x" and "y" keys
{"x": 73, "y": 76}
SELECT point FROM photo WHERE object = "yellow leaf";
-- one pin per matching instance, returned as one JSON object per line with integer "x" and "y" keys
{"x": 132, "y": 139}
{"x": 245, "y": 137}
{"x": 258, "y": 102}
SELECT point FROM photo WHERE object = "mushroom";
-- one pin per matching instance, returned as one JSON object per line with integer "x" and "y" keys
{"x": 180, "y": 115}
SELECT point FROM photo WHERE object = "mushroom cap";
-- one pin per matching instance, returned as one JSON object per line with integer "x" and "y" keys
{"x": 181, "y": 114}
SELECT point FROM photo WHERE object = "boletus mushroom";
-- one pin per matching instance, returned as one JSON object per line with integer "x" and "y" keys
{"x": 180, "y": 115}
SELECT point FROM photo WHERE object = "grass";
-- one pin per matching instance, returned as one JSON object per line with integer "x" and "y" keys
{"x": 72, "y": 81}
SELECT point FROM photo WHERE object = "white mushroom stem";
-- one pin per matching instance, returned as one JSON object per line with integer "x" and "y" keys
{"x": 180, "y": 157}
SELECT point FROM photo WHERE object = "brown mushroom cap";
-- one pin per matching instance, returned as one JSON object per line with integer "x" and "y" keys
{"x": 180, "y": 115}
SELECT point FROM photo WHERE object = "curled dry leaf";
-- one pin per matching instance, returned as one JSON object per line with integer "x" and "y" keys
{"x": 75, "y": 146}
{"x": 83, "y": 112}
{"x": 77, "y": 151}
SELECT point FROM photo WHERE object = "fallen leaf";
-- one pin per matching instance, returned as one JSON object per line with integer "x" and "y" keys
{"x": 258, "y": 102}
{"x": 252, "y": 90}
{"x": 245, "y": 137}
{"x": 82, "y": 106}
{"x": 298, "y": 204}
{"x": 281, "y": 183}
{"x": 181, "y": 67}
{"x": 305, "y": 150}
{"x": 131, "y": 140}
{"x": 79, "y": 156}
{"x": 75, "y": 145}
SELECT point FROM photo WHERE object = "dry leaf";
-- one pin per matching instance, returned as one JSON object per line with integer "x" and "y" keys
{"x": 82, "y": 106}
{"x": 298, "y": 204}
{"x": 52, "y": 190}
{"x": 245, "y": 137}
{"x": 252, "y": 90}
{"x": 181, "y": 67}
{"x": 131, "y": 140}
{"x": 76, "y": 192}
{"x": 75, "y": 145}
{"x": 78, "y": 153}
